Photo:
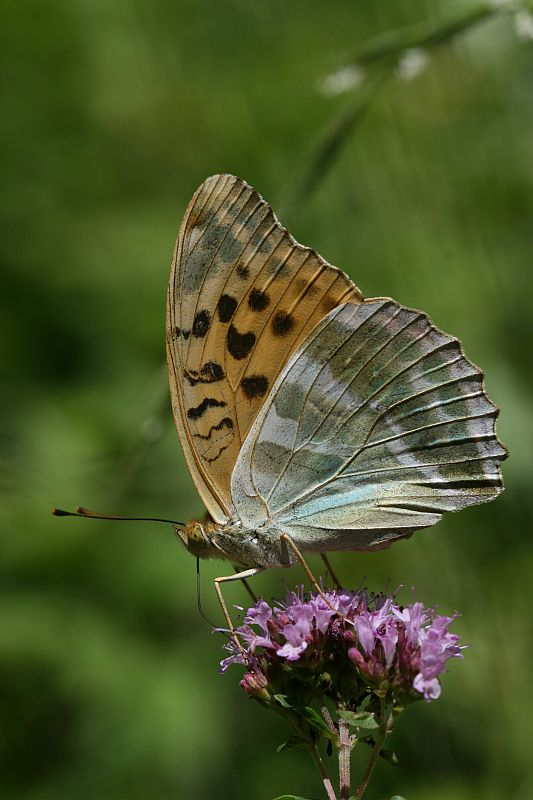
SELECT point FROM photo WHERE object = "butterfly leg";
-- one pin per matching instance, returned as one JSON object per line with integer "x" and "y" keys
{"x": 247, "y": 573}
{"x": 285, "y": 538}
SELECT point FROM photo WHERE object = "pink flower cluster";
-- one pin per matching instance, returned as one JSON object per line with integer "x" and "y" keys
{"x": 361, "y": 642}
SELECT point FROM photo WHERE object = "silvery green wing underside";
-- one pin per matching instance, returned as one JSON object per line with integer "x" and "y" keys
{"x": 376, "y": 426}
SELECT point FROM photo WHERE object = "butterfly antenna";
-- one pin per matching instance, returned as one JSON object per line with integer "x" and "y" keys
{"x": 87, "y": 513}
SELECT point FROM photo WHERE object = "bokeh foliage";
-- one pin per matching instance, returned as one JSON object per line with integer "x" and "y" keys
{"x": 113, "y": 113}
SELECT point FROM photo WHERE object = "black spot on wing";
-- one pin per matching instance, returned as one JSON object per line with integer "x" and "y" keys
{"x": 239, "y": 344}
{"x": 226, "y": 307}
{"x": 211, "y": 372}
{"x": 225, "y": 422}
{"x": 254, "y": 386}
{"x": 282, "y": 323}
{"x": 243, "y": 272}
{"x": 208, "y": 402}
{"x": 176, "y": 332}
{"x": 258, "y": 300}
{"x": 185, "y": 334}
{"x": 201, "y": 323}
{"x": 210, "y": 460}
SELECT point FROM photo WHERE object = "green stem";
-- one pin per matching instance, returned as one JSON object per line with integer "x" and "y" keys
{"x": 303, "y": 732}
{"x": 345, "y": 747}
{"x": 328, "y": 786}
{"x": 384, "y": 730}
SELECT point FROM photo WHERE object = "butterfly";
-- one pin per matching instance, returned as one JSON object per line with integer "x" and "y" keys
{"x": 311, "y": 419}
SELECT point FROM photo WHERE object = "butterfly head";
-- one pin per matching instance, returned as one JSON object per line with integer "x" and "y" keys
{"x": 198, "y": 538}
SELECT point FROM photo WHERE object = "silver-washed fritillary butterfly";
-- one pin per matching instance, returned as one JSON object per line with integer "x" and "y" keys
{"x": 311, "y": 419}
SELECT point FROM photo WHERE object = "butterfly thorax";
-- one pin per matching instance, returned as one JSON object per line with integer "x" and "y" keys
{"x": 233, "y": 542}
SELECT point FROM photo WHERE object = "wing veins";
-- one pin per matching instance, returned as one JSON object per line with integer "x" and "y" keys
{"x": 354, "y": 377}
{"x": 268, "y": 316}
{"x": 179, "y": 273}
{"x": 308, "y": 343}
{"x": 259, "y": 206}
{"x": 339, "y": 475}
{"x": 369, "y": 445}
{"x": 407, "y": 467}
{"x": 233, "y": 203}
{"x": 438, "y": 404}
{"x": 428, "y": 389}
{"x": 387, "y": 384}
{"x": 212, "y": 223}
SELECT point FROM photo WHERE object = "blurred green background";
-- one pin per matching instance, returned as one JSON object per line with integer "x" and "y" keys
{"x": 113, "y": 113}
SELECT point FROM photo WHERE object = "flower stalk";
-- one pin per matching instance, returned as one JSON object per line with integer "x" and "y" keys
{"x": 326, "y": 780}
{"x": 345, "y": 748}
{"x": 384, "y": 729}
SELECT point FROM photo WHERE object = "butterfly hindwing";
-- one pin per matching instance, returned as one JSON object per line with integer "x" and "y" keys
{"x": 377, "y": 425}
{"x": 243, "y": 295}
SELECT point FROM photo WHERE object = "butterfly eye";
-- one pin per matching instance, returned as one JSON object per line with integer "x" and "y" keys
{"x": 192, "y": 534}
{"x": 197, "y": 533}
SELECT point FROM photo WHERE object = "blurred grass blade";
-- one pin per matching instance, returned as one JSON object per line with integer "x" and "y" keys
{"x": 427, "y": 33}
{"x": 330, "y": 143}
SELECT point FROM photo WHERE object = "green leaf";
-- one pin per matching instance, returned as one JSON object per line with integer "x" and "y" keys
{"x": 368, "y": 724}
{"x": 316, "y": 721}
{"x": 361, "y": 719}
{"x": 366, "y": 700}
{"x": 391, "y": 757}
{"x": 292, "y": 743}
{"x": 291, "y": 797}
{"x": 282, "y": 700}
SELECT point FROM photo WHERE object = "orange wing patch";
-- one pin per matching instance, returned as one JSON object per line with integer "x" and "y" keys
{"x": 243, "y": 295}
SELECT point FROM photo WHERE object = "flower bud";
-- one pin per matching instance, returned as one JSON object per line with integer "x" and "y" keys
{"x": 255, "y": 684}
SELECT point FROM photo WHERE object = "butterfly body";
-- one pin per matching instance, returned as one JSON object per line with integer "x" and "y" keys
{"x": 305, "y": 412}
{"x": 248, "y": 548}
{"x": 261, "y": 548}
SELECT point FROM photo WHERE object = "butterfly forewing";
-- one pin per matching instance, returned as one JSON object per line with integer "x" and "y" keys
{"x": 243, "y": 296}
{"x": 376, "y": 426}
